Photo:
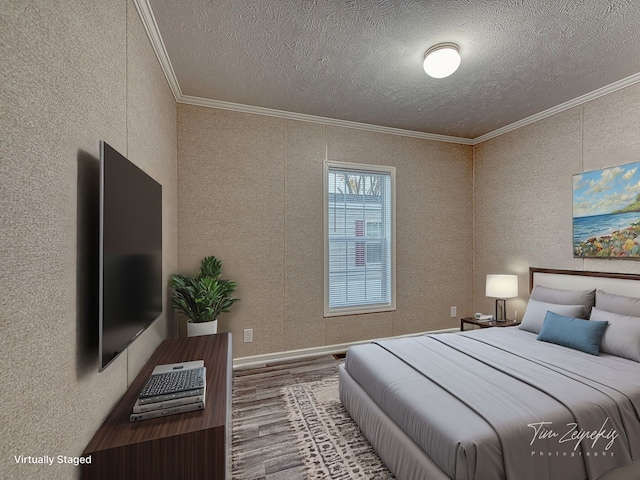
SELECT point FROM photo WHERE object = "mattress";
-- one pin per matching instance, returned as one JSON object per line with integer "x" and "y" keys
{"x": 497, "y": 403}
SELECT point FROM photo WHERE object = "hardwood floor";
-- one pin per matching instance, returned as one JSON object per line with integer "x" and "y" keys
{"x": 263, "y": 445}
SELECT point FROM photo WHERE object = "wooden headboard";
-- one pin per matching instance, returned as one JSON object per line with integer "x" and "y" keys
{"x": 619, "y": 283}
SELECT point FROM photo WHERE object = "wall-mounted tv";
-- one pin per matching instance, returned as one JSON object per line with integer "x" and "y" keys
{"x": 131, "y": 281}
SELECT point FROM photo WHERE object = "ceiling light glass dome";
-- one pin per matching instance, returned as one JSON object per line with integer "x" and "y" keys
{"x": 442, "y": 60}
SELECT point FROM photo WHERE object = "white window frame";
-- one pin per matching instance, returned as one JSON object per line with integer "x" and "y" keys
{"x": 360, "y": 168}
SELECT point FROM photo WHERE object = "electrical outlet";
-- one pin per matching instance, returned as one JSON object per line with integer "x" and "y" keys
{"x": 248, "y": 335}
{"x": 454, "y": 311}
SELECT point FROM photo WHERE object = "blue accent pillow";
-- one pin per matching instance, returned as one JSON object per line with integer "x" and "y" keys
{"x": 576, "y": 333}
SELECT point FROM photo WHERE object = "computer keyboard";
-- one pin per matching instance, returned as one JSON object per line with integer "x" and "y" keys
{"x": 171, "y": 382}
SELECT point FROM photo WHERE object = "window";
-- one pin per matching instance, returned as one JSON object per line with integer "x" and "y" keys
{"x": 359, "y": 204}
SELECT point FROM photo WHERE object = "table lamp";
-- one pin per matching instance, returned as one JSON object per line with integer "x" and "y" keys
{"x": 501, "y": 287}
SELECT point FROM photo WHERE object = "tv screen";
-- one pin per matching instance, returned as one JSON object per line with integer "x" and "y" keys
{"x": 130, "y": 253}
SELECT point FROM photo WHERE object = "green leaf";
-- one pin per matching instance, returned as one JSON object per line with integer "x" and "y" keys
{"x": 204, "y": 296}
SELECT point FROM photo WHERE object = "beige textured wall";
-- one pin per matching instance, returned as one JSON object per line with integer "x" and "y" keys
{"x": 250, "y": 192}
{"x": 523, "y": 190}
{"x": 72, "y": 73}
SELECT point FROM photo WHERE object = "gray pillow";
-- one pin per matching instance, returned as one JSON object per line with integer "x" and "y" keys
{"x": 622, "y": 336}
{"x": 565, "y": 297}
{"x": 618, "y": 304}
{"x": 536, "y": 312}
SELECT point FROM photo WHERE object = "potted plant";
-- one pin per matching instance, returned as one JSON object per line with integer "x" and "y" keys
{"x": 202, "y": 297}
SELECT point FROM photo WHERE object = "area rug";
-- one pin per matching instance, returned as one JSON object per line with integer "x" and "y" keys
{"x": 330, "y": 442}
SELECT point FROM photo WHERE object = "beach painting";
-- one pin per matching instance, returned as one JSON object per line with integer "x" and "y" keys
{"x": 606, "y": 213}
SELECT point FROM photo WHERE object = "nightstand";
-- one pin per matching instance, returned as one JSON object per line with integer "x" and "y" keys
{"x": 492, "y": 323}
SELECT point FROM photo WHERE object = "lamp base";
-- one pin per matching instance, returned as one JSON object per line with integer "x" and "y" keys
{"x": 501, "y": 310}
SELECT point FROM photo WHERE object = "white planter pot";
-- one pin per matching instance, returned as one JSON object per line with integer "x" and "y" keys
{"x": 204, "y": 328}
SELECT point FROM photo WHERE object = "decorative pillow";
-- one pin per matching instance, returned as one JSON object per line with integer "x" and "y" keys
{"x": 536, "y": 311}
{"x": 622, "y": 336}
{"x": 565, "y": 297}
{"x": 618, "y": 304}
{"x": 576, "y": 333}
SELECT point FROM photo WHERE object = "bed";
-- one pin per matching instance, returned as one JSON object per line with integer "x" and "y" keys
{"x": 498, "y": 403}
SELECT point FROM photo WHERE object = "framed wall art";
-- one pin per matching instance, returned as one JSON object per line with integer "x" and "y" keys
{"x": 606, "y": 213}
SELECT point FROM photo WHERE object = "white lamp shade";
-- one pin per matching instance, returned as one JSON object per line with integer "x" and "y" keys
{"x": 502, "y": 286}
{"x": 442, "y": 60}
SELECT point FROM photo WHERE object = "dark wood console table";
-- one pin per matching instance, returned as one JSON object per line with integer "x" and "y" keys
{"x": 194, "y": 445}
{"x": 485, "y": 324}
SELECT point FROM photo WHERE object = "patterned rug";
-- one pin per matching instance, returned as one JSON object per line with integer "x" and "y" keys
{"x": 331, "y": 443}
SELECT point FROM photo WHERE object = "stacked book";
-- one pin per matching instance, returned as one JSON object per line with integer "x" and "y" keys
{"x": 173, "y": 388}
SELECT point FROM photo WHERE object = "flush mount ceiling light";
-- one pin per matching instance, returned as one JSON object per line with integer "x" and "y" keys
{"x": 441, "y": 60}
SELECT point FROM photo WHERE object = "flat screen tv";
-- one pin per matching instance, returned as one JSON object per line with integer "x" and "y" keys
{"x": 131, "y": 284}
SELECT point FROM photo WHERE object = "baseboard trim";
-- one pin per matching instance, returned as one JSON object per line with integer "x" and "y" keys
{"x": 314, "y": 351}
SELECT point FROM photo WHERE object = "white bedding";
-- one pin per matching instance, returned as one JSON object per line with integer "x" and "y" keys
{"x": 475, "y": 403}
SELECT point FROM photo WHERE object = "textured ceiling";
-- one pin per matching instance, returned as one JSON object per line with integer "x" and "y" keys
{"x": 361, "y": 61}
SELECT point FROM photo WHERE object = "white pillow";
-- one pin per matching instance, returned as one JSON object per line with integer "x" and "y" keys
{"x": 622, "y": 336}
{"x": 536, "y": 312}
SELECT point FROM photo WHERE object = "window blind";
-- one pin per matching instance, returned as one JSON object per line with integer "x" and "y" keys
{"x": 359, "y": 238}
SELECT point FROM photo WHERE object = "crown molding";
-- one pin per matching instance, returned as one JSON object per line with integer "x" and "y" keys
{"x": 236, "y": 107}
{"x": 587, "y": 97}
{"x": 151, "y": 27}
